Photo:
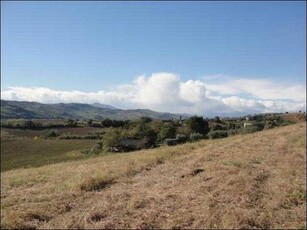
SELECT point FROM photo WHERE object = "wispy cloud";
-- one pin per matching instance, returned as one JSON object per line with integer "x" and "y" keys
{"x": 166, "y": 92}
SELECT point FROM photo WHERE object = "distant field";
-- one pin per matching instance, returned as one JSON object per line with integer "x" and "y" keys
{"x": 252, "y": 181}
{"x": 65, "y": 130}
{"x": 27, "y": 153}
{"x": 295, "y": 117}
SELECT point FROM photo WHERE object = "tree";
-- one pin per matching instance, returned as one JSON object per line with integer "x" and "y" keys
{"x": 167, "y": 130}
{"x": 29, "y": 125}
{"x": 218, "y": 120}
{"x": 146, "y": 119}
{"x": 112, "y": 138}
{"x": 90, "y": 122}
{"x": 50, "y": 133}
{"x": 142, "y": 131}
{"x": 106, "y": 122}
{"x": 198, "y": 125}
{"x": 71, "y": 123}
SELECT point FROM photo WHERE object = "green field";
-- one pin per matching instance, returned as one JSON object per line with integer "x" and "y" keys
{"x": 25, "y": 153}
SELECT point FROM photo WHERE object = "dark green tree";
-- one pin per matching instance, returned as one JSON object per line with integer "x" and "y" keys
{"x": 198, "y": 125}
{"x": 168, "y": 130}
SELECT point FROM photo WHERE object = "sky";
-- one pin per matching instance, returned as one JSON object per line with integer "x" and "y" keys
{"x": 190, "y": 57}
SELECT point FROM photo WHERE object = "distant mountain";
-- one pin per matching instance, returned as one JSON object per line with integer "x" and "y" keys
{"x": 34, "y": 110}
{"x": 104, "y": 106}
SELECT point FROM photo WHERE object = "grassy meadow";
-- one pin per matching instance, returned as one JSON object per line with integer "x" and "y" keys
{"x": 244, "y": 181}
{"x": 27, "y": 152}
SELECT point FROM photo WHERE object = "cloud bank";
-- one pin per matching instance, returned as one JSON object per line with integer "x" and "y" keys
{"x": 165, "y": 92}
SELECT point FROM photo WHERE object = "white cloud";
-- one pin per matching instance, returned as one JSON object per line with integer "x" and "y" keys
{"x": 261, "y": 89}
{"x": 166, "y": 92}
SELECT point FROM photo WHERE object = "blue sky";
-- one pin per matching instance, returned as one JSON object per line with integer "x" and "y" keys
{"x": 94, "y": 46}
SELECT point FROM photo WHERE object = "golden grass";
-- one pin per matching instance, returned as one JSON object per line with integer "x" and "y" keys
{"x": 245, "y": 181}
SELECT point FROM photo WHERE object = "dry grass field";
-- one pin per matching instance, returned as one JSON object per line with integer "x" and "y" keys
{"x": 245, "y": 181}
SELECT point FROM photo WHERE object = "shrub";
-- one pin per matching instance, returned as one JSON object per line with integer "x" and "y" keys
{"x": 181, "y": 138}
{"x": 170, "y": 141}
{"x": 258, "y": 126}
{"x": 146, "y": 119}
{"x": 112, "y": 138}
{"x": 218, "y": 120}
{"x": 71, "y": 123}
{"x": 219, "y": 127}
{"x": 196, "y": 136}
{"x": 231, "y": 125}
{"x": 50, "y": 133}
{"x": 218, "y": 134}
{"x": 96, "y": 148}
{"x": 233, "y": 132}
{"x": 184, "y": 129}
{"x": 85, "y": 151}
{"x": 90, "y": 122}
{"x": 88, "y": 136}
{"x": 70, "y": 137}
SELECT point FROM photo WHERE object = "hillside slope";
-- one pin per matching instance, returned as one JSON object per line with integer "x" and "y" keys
{"x": 245, "y": 181}
{"x": 34, "y": 110}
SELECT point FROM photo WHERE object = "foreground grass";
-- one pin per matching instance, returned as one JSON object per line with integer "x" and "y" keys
{"x": 251, "y": 181}
{"x": 27, "y": 153}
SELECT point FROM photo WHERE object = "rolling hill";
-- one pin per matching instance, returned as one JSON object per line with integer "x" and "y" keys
{"x": 34, "y": 110}
{"x": 252, "y": 181}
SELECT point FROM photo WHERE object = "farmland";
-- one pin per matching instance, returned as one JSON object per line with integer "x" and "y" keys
{"x": 33, "y": 153}
{"x": 24, "y": 147}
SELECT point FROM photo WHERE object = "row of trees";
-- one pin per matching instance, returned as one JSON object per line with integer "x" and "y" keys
{"x": 153, "y": 132}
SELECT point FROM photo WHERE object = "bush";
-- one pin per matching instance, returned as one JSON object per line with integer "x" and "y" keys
{"x": 50, "y": 133}
{"x": 181, "y": 138}
{"x": 112, "y": 138}
{"x": 218, "y": 134}
{"x": 96, "y": 148}
{"x": 184, "y": 129}
{"x": 88, "y": 136}
{"x": 70, "y": 137}
{"x": 258, "y": 126}
{"x": 113, "y": 123}
{"x": 170, "y": 141}
{"x": 233, "y": 132}
{"x": 71, "y": 123}
{"x": 85, "y": 151}
{"x": 196, "y": 136}
{"x": 219, "y": 127}
{"x": 218, "y": 120}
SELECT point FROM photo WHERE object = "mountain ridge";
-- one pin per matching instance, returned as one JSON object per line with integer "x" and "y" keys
{"x": 36, "y": 110}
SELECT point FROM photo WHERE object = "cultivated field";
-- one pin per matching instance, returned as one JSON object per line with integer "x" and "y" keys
{"x": 27, "y": 153}
{"x": 244, "y": 181}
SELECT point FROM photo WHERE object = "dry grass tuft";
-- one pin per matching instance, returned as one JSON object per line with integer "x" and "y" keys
{"x": 96, "y": 184}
